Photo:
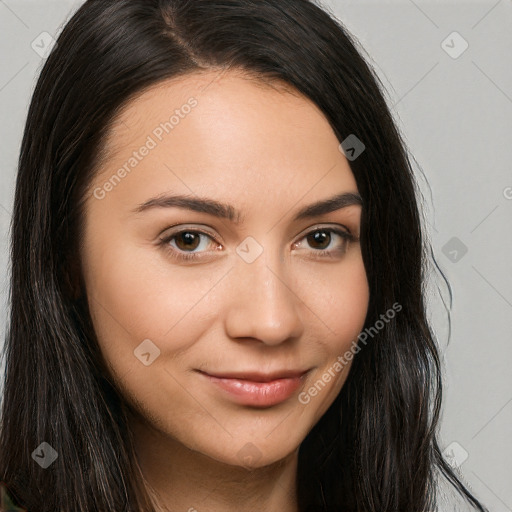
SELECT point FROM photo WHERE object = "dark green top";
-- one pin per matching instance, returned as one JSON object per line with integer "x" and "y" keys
{"x": 6, "y": 501}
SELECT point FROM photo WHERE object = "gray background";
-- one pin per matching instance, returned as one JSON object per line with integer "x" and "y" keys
{"x": 455, "y": 112}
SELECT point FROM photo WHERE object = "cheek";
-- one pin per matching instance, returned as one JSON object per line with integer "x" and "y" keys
{"x": 350, "y": 315}
{"x": 132, "y": 299}
{"x": 351, "y": 308}
{"x": 343, "y": 305}
{"x": 341, "y": 301}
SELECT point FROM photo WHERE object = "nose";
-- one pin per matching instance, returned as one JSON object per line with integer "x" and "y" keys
{"x": 264, "y": 304}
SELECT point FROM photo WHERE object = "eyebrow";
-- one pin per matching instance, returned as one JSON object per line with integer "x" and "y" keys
{"x": 227, "y": 211}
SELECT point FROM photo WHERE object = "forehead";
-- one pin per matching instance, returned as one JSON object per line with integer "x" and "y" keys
{"x": 222, "y": 99}
{"x": 218, "y": 132}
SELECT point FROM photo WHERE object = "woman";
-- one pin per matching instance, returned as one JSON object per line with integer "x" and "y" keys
{"x": 178, "y": 339}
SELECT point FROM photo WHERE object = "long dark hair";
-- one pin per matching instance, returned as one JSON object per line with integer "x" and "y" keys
{"x": 375, "y": 449}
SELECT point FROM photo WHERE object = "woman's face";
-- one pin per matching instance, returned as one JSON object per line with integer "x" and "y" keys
{"x": 183, "y": 289}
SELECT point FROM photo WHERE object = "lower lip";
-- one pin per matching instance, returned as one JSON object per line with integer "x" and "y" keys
{"x": 258, "y": 394}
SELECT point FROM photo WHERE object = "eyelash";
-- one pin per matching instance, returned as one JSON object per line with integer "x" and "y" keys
{"x": 319, "y": 253}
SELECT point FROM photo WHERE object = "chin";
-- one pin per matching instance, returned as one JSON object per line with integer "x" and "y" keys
{"x": 254, "y": 454}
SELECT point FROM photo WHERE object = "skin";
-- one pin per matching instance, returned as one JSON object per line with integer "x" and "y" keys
{"x": 268, "y": 151}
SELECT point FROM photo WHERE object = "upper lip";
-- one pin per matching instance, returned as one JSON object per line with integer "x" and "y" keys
{"x": 255, "y": 376}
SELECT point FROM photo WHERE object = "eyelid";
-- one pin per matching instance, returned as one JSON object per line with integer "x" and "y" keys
{"x": 167, "y": 233}
{"x": 326, "y": 226}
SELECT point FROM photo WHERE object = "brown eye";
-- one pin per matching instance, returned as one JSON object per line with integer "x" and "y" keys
{"x": 326, "y": 242}
{"x": 188, "y": 244}
{"x": 187, "y": 240}
{"x": 319, "y": 239}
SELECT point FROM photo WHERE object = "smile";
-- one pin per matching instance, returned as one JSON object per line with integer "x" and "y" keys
{"x": 257, "y": 393}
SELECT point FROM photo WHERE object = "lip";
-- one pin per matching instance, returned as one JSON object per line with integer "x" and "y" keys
{"x": 258, "y": 389}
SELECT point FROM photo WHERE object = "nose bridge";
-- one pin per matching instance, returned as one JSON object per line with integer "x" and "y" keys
{"x": 265, "y": 306}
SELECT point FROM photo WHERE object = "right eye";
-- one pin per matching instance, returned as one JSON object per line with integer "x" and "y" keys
{"x": 186, "y": 241}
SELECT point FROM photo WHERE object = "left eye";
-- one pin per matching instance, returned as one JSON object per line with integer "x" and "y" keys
{"x": 323, "y": 237}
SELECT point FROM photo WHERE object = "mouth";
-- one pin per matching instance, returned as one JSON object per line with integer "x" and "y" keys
{"x": 257, "y": 389}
